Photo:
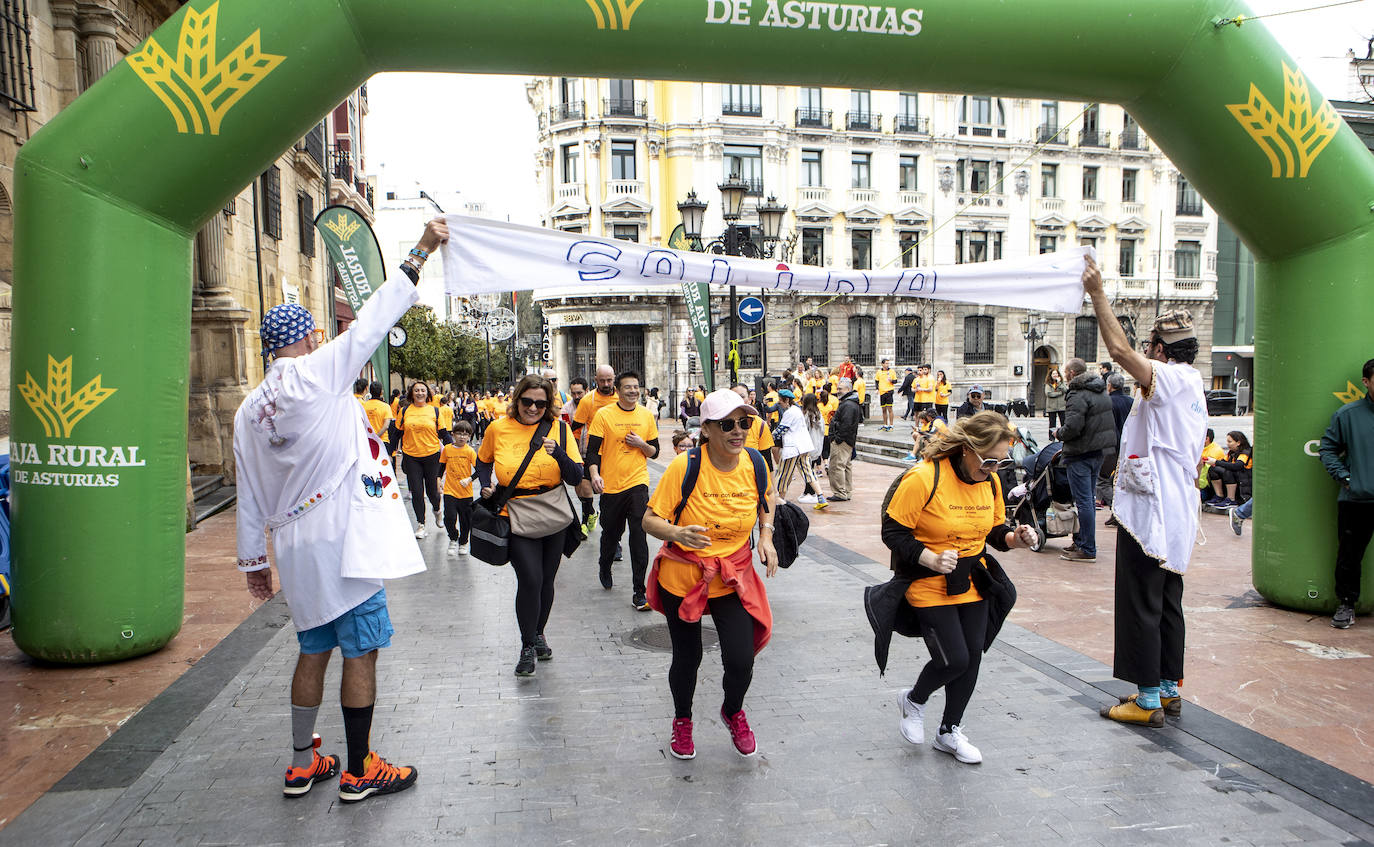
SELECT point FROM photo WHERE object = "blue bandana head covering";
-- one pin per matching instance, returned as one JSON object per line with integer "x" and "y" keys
{"x": 285, "y": 324}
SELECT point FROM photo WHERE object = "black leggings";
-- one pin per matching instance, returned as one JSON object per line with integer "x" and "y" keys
{"x": 954, "y": 636}
{"x": 1052, "y": 416}
{"x": 535, "y": 561}
{"x": 422, "y": 476}
{"x": 458, "y": 517}
{"x": 735, "y": 626}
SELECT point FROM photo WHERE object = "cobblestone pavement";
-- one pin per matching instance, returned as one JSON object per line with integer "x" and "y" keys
{"x": 578, "y": 754}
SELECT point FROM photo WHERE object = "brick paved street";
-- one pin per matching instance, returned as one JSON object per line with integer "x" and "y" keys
{"x": 578, "y": 755}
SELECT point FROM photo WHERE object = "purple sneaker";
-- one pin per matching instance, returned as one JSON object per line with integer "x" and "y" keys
{"x": 681, "y": 746}
{"x": 740, "y": 733}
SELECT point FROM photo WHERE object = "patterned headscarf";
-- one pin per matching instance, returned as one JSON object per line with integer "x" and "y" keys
{"x": 284, "y": 325}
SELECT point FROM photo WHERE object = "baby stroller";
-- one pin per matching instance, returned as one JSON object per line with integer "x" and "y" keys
{"x": 1047, "y": 502}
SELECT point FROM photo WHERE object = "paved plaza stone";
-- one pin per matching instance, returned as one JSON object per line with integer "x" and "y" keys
{"x": 579, "y": 753}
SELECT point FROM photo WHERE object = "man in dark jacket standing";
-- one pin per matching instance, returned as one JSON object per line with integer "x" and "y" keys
{"x": 844, "y": 437}
{"x": 1347, "y": 452}
{"x": 909, "y": 393}
{"x": 1088, "y": 430}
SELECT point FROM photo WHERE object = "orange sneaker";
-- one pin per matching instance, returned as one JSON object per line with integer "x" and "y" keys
{"x": 379, "y": 777}
{"x": 299, "y": 781}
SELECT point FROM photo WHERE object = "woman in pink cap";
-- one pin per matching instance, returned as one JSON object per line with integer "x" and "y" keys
{"x": 705, "y": 508}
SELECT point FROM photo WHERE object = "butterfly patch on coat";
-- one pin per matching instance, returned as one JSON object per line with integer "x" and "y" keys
{"x": 374, "y": 486}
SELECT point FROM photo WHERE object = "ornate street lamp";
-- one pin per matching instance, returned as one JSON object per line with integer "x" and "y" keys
{"x": 693, "y": 213}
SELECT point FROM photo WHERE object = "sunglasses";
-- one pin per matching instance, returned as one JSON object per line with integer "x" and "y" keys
{"x": 530, "y": 402}
{"x": 728, "y": 424}
{"x": 994, "y": 464}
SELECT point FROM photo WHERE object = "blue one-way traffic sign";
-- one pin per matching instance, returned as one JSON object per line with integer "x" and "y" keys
{"x": 751, "y": 310}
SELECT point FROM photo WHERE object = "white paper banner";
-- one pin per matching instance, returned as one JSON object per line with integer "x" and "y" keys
{"x": 485, "y": 255}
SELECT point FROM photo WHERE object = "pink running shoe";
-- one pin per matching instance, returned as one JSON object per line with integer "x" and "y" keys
{"x": 740, "y": 733}
{"x": 682, "y": 746}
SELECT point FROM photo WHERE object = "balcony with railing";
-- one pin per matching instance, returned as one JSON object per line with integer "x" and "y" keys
{"x": 624, "y": 188}
{"x": 1094, "y": 138}
{"x": 859, "y": 196}
{"x": 569, "y": 192}
{"x": 1094, "y": 207}
{"x": 616, "y": 108}
{"x": 911, "y": 198}
{"x": 911, "y": 125}
{"x": 983, "y": 130}
{"x": 741, "y": 109}
{"x": 815, "y": 194}
{"x": 819, "y": 118}
{"x": 863, "y": 121}
{"x": 341, "y": 165}
{"x": 1049, "y": 206}
{"x": 1190, "y": 206}
{"x": 1133, "y": 139}
{"x": 1132, "y": 210}
{"x": 1050, "y": 134}
{"x": 755, "y": 186}
{"x": 573, "y": 110}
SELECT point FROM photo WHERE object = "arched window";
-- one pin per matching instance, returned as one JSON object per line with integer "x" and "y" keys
{"x": 1085, "y": 338}
{"x": 814, "y": 342}
{"x": 978, "y": 339}
{"x": 909, "y": 340}
{"x": 863, "y": 340}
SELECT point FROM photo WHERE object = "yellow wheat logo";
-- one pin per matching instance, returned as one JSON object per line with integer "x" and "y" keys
{"x": 1351, "y": 393}
{"x": 1298, "y": 135}
{"x": 608, "y": 20}
{"x": 342, "y": 227}
{"x": 196, "y": 85}
{"x": 57, "y": 408}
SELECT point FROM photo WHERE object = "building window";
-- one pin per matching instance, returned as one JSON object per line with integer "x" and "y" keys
{"x": 571, "y": 159}
{"x": 974, "y": 245}
{"x": 622, "y": 99}
{"x": 622, "y": 160}
{"x": 861, "y": 115}
{"x": 16, "y": 56}
{"x": 861, "y": 242}
{"x": 745, "y": 163}
{"x": 625, "y": 232}
{"x": 906, "y": 172}
{"x": 569, "y": 89}
{"x": 1049, "y": 180}
{"x": 809, "y": 110}
{"x": 810, "y": 99}
{"x": 1187, "y": 260}
{"x": 909, "y": 242}
{"x": 979, "y": 176}
{"x": 811, "y": 167}
{"x": 978, "y": 340}
{"x": 908, "y": 115}
{"x": 271, "y": 202}
{"x": 863, "y": 340}
{"x": 744, "y": 100}
{"x": 1049, "y": 243}
{"x": 1128, "y": 176}
{"x": 909, "y": 340}
{"x": 982, "y": 116}
{"x": 1087, "y": 241}
{"x": 1048, "y": 130}
{"x": 1126, "y": 264}
{"x": 860, "y": 170}
{"x": 1085, "y": 338}
{"x": 815, "y": 340}
{"x": 305, "y": 207}
{"x": 1089, "y": 183}
{"x": 1090, "y": 136}
{"x": 1189, "y": 202}
{"x": 1130, "y": 134}
{"x": 813, "y": 246}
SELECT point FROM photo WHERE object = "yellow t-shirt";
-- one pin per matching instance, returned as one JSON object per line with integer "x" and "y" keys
{"x": 924, "y": 389}
{"x": 446, "y": 417}
{"x": 505, "y": 445}
{"x": 725, "y": 502}
{"x": 378, "y": 413}
{"x": 935, "y": 426}
{"x": 458, "y": 464}
{"x": 396, "y": 407}
{"x": 813, "y": 386}
{"x": 434, "y": 400}
{"x": 861, "y": 386}
{"x": 942, "y": 392}
{"x": 1211, "y": 451}
{"x": 886, "y": 380}
{"x": 419, "y": 431}
{"x": 760, "y": 437}
{"x": 591, "y": 403}
{"x": 959, "y": 517}
{"x": 622, "y": 466}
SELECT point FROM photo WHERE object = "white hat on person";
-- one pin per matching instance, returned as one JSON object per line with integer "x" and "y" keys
{"x": 719, "y": 404}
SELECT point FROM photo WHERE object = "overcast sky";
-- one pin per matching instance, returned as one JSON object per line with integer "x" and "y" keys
{"x": 475, "y": 136}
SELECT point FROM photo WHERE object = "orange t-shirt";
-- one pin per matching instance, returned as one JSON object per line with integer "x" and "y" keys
{"x": 507, "y": 441}
{"x": 458, "y": 465}
{"x": 420, "y": 431}
{"x": 378, "y": 413}
{"x": 959, "y": 517}
{"x": 591, "y": 403}
{"x": 760, "y": 437}
{"x": 725, "y": 502}
{"x": 622, "y": 466}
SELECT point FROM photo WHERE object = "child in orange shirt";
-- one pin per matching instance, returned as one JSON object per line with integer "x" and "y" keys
{"x": 458, "y": 461}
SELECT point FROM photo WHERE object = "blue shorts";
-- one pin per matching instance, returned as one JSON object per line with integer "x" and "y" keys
{"x": 357, "y": 632}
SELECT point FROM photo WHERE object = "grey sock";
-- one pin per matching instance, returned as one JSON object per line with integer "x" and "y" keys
{"x": 303, "y": 735}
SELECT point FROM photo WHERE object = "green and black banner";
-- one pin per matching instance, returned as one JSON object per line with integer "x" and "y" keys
{"x": 697, "y": 296}
{"x": 357, "y": 259}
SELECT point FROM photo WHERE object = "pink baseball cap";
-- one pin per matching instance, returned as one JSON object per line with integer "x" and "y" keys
{"x": 719, "y": 404}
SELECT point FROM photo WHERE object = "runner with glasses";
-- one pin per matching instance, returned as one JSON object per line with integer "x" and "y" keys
{"x": 940, "y": 520}
{"x": 706, "y": 565}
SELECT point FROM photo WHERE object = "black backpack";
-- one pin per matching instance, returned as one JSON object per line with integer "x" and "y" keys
{"x": 790, "y": 524}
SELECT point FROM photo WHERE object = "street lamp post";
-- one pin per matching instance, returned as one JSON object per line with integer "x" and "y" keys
{"x": 734, "y": 241}
{"x": 1034, "y": 327}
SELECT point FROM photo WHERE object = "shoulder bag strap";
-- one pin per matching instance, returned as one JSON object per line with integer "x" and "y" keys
{"x": 689, "y": 481}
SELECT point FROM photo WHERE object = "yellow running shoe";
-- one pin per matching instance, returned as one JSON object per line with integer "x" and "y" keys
{"x": 1129, "y": 712}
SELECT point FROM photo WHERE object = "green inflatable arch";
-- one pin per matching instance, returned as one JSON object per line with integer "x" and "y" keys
{"x": 111, "y": 193}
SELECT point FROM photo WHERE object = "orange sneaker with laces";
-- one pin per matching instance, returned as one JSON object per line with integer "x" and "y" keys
{"x": 379, "y": 777}
{"x": 299, "y": 781}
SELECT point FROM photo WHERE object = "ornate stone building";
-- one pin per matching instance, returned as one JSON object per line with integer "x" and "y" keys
{"x": 870, "y": 179}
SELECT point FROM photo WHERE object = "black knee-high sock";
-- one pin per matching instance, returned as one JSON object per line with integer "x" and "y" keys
{"x": 358, "y": 734}
{"x": 587, "y": 508}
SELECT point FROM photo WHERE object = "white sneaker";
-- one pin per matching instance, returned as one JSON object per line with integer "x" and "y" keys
{"x": 421, "y": 532}
{"x": 462, "y": 549}
{"x": 807, "y": 498}
{"x": 913, "y": 718}
{"x": 453, "y": 548}
{"x": 956, "y": 744}
{"x": 438, "y": 519}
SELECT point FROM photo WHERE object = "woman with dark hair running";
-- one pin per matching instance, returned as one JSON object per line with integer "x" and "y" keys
{"x": 419, "y": 425}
